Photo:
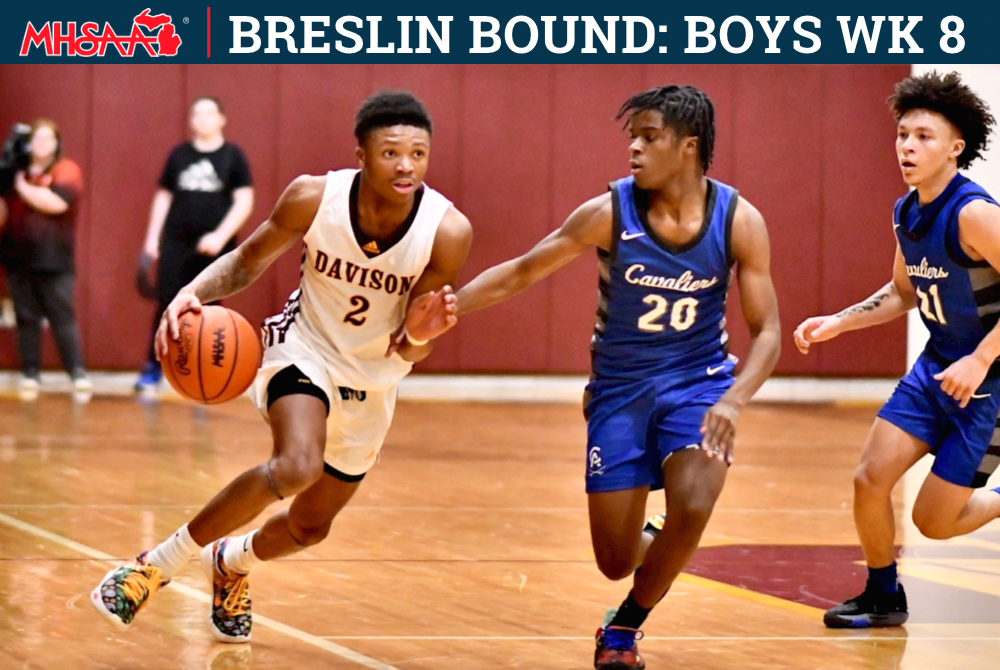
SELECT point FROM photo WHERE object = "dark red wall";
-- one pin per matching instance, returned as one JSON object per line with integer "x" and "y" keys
{"x": 517, "y": 148}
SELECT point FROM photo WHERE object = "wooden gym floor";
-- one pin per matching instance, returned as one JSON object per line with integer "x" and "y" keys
{"x": 467, "y": 547}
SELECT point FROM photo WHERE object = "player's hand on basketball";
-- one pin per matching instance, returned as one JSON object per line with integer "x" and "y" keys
{"x": 211, "y": 244}
{"x": 429, "y": 316}
{"x": 719, "y": 430}
{"x": 816, "y": 329}
{"x": 183, "y": 303}
{"x": 962, "y": 378}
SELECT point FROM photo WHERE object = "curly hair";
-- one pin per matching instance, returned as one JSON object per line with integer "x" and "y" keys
{"x": 390, "y": 108}
{"x": 946, "y": 95}
{"x": 685, "y": 109}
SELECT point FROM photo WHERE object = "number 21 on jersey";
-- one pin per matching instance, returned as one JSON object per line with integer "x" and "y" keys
{"x": 930, "y": 305}
{"x": 682, "y": 315}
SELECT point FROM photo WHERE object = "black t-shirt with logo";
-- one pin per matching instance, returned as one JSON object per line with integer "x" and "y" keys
{"x": 202, "y": 184}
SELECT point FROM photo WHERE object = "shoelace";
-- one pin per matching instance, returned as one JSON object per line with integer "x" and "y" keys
{"x": 237, "y": 600}
{"x": 141, "y": 583}
{"x": 621, "y": 639}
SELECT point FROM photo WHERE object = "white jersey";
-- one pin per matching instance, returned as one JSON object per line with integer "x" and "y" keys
{"x": 348, "y": 304}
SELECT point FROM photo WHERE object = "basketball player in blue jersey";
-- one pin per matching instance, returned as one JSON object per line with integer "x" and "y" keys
{"x": 662, "y": 405}
{"x": 947, "y": 256}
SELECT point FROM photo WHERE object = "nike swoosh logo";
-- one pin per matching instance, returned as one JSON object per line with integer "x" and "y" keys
{"x": 712, "y": 371}
{"x": 626, "y": 236}
{"x": 980, "y": 396}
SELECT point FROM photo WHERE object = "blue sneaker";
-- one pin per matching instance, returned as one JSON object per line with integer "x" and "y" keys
{"x": 616, "y": 648}
{"x": 149, "y": 378}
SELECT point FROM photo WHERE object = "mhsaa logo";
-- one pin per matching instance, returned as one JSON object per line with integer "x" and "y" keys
{"x": 155, "y": 33}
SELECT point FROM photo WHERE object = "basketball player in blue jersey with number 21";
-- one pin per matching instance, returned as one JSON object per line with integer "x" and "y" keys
{"x": 948, "y": 253}
{"x": 662, "y": 406}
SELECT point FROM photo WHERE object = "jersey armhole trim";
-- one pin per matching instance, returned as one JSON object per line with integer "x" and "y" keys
{"x": 734, "y": 201}
{"x": 952, "y": 236}
{"x": 616, "y": 222}
{"x": 327, "y": 187}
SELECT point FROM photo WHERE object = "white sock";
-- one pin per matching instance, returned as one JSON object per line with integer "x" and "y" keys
{"x": 239, "y": 556}
{"x": 171, "y": 555}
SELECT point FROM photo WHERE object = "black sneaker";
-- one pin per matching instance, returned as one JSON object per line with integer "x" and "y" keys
{"x": 873, "y": 608}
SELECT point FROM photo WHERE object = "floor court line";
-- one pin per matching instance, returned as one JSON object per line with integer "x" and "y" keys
{"x": 267, "y": 622}
{"x": 651, "y": 638}
{"x": 424, "y": 508}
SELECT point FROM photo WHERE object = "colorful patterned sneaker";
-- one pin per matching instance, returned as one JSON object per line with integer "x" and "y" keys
{"x": 126, "y": 590}
{"x": 655, "y": 524}
{"x": 873, "y": 608}
{"x": 616, "y": 649}
{"x": 231, "y": 618}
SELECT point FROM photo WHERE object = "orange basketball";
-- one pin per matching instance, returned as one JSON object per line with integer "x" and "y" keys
{"x": 216, "y": 357}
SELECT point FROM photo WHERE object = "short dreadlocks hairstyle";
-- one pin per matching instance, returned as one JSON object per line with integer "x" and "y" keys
{"x": 685, "y": 109}
{"x": 949, "y": 97}
{"x": 390, "y": 108}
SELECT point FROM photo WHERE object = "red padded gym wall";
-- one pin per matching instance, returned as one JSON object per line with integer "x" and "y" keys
{"x": 517, "y": 148}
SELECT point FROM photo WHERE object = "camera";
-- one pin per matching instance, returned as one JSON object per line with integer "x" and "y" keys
{"x": 15, "y": 154}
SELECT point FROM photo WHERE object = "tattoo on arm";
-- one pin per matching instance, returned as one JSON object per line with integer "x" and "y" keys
{"x": 871, "y": 303}
{"x": 223, "y": 278}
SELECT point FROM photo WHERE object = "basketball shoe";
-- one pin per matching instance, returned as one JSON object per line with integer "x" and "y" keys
{"x": 655, "y": 524}
{"x": 231, "y": 618}
{"x": 873, "y": 608}
{"x": 126, "y": 590}
{"x": 616, "y": 646}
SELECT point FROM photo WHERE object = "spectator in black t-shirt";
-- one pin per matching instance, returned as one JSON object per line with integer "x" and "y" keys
{"x": 36, "y": 247}
{"x": 205, "y": 196}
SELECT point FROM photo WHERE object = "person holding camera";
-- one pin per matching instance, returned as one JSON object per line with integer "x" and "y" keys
{"x": 204, "y": 197}
{"x": 36, "y": 247}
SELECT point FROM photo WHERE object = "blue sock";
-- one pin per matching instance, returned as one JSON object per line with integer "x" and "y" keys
{"x": 885, "y": 578}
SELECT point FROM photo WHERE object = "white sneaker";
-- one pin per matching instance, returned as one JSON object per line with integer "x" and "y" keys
{"x": 83, "y": 385}
{"x": 27, "y": 388}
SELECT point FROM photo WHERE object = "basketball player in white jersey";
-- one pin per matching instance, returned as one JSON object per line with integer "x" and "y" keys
{"x": 374, "y": 238}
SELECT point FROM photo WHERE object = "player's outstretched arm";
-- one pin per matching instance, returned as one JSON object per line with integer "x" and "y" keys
{"x": 589, "y": 226}
{"x": 432, "y": 309}
{"x": 889, "y": 302}
{"x": 233, "y": 272}
{"x": 752, "y": 253}
{"x": 979, "y": 229}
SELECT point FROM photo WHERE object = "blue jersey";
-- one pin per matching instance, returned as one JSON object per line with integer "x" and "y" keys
{"x": 958, "y": 298}
{"x": 661, "y": 307}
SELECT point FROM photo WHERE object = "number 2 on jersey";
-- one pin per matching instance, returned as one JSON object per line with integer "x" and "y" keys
{"x": 682, "y": 316}
{"x": 354, "y": 316}
{"x": 933, "y": 312}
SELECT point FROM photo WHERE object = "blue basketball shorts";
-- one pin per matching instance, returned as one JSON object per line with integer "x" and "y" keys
{"x": 965, "y": 442}
{"x": 633, "y": 426}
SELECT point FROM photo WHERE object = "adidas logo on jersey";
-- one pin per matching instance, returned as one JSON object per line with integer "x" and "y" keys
{"x": 372, "y": 247}
{"x": 200, "y": 176}
{"x": 365, "y": 277}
